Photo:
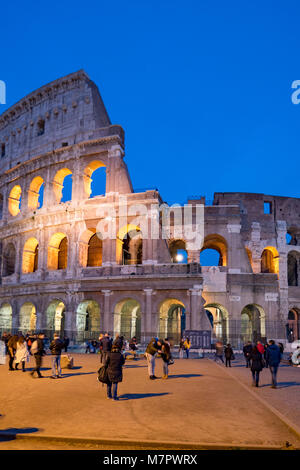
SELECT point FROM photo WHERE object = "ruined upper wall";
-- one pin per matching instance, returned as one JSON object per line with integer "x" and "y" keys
{"x": 64, "y": 112}
{"x": 252, "y": 208}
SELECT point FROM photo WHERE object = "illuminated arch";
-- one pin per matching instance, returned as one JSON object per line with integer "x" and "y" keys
{"x": 55, "y": 315}
{"x": 172, "y": 317}
{"x": 14, "y": 200}
{"x": 27, "y": 317}
{"x": 218, "y": 243}
{"x": 58, "y": 251}
{"x": 129, "y": 246}
{"x": 88, "y": 320}
{"x": 219, "y": 319}
{"x": 30, "y": 256}
{"x": 5, "y": 316}
{"x": 90, "y": 248}
{"x": 58, "y": 183}
{"x": 253, "y": 323}
{"x": 34, "y": 193}
{"x": 127, "y": 318}
{"x": 87, "y": 176}
{"x": 178, "y": 253}
{"x": 270, "y": 260}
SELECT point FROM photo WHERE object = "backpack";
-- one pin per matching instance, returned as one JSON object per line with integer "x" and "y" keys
{"x": 34, "y": 347}
{"x": 103, "y": 375}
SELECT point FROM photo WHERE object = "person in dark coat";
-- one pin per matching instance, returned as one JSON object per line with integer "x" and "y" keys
{"x": 114, "y": 363}
{"x": 56, "y": 347}
{"x": 11, "y": 350}
{"x": 256, "y": 365}
{"x": 39, "y": 355}
{"x": 66, "y": 343}
{"x": 273, "y": 356}
{"x": 166, "y": 356}
{"x": 105, "y": 344}
{"x": 247, "y": 351}
{"x": 228, "y": 355}
{"x": 119, "y": 342}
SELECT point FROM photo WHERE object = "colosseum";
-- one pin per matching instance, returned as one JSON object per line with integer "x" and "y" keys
{"x": 60, "y": 273}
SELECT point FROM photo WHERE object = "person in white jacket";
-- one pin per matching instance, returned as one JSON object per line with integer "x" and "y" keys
{"x": 22, "y": 354}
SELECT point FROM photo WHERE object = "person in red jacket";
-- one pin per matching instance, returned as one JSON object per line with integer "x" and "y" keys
{"x": 260, "y": 347}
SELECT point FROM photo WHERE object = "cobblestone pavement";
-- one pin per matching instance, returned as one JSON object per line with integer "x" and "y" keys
{"x": 201, "y": 403}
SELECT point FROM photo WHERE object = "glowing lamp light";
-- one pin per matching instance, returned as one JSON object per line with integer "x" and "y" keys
{"x": 179, "y": 258}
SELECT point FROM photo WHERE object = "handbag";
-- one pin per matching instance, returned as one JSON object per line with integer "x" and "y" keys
{"x": 170, "y": 362}
{"x": 103, "y": 375}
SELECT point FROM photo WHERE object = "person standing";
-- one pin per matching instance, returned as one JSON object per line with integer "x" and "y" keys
{"x": 101, "y": 347}
{"x": 114, "y": 363}
{"x": 152, "y": 349}
{"x": 247, "y": 350}
{"x": 56, "y": 347}
{"x": 273, "y": 356}
{"x": 11, "y": 350}
{"x": 166, "y": 356}
{"x": 22, "y": 353}
{"x": 66, "y": 343}
{"x": 187, "y": 345}
{"x": 106, "y": 346}
{"x": 38, "y": 351}
{"x": 228, "y": 355}
{"x": 181, "y": 348}
{"x": 260, "y": 347}
{"x": 256, "y": 361}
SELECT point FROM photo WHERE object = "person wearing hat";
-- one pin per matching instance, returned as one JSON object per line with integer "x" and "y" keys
{"x": 152, "y": 349}
{"x": 114, "y": 363}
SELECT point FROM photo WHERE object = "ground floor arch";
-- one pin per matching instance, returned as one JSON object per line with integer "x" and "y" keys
{"x": 5, "y": 317}
{"x": 253, "y": 323}
{"x": 27, "y": 317}
{"x": 55, "y": 315}
{"x": 219, "y": 320}
{"x": 172, "y": 319}
{"x": 127, "y": 319}
{"x": 88, "y": 320}
{"x": 293, "y": 325}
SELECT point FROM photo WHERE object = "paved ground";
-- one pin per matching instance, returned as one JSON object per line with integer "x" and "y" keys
{"x": 201, "y": 405}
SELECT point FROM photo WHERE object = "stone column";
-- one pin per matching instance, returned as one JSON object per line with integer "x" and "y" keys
{"x": 108, "y": 316}
{"x": 146, "y": 320}
{"x": 255, "y": 247}
{"x": 195, "y": 307}
{"x": 234, "y": 249}
{"x": 109, "y": 252}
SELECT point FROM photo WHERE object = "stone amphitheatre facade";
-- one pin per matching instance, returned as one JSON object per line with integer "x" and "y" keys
{"x": 59, "y": 273}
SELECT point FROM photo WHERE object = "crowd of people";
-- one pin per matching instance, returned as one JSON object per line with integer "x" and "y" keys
{"x": 257, "y": 356}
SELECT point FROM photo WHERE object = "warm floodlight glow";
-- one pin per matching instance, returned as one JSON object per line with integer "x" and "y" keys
{"x": 179, "y": 258}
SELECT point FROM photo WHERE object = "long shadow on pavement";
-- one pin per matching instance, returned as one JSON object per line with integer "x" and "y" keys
{"x": 137, "y": 396}
{"x": 78, "y": 373}
{"x": 9, "y": 434}
{"x": 184, "y": 376}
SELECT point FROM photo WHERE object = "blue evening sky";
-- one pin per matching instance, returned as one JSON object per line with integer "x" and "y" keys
{"x": 202, "y": 88}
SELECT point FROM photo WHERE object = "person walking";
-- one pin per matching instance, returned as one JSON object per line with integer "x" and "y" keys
{"x": 187, "y": 345}
{"x": 114, "y": 363}
{"x": 260, "y": 347}
{"x": 219, "y": 352}
{"x": 247, "y": 350}
{"x": 56, "y": 347}
{"x": 273, "y": 356}
{"x": 101, "y": 347}
{"x": 11, "y": 350}
{"x": 152, "y": 349}
{"x": 228, "y": 355}
{"x": 22, "y": 353}
{"x": 256, "y": 365}
{"x": 38, "y": 351}
{"x": 166, "y": 356}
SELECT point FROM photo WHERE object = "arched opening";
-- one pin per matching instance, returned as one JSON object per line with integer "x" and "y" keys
{"x": 40, "y": 127}
{"x": 30, "y": 256}
{"x": 9, "y": 260}
{"x": 62, "y": 185}
{"x": 94, "y": 255}
{"x": 127, "y": 319}
{"x": 95, "y": 186}
{"x": 178, "y": 251}
{"x": 218, "y": 317}
{"x": 293, "y": 268}
{"x": 253, "y": 323}
{"x": 5, "y": 317}
{"x": 88, "y": 320}
{"x": 293, "y": 325}
{"x": 130, "y": 245}
{"x": 270, "y": 260}
{"x": 14, "y": 200}
{"x": 55, "y": 314}
{"x": 58, "y": 252}
{"x": 214, "y": 250}
{"x": 27, "y": 317}
{"x": 172, "y": 320}
{"x": 36, "y": 193}
{"x": 249, "y": 254}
